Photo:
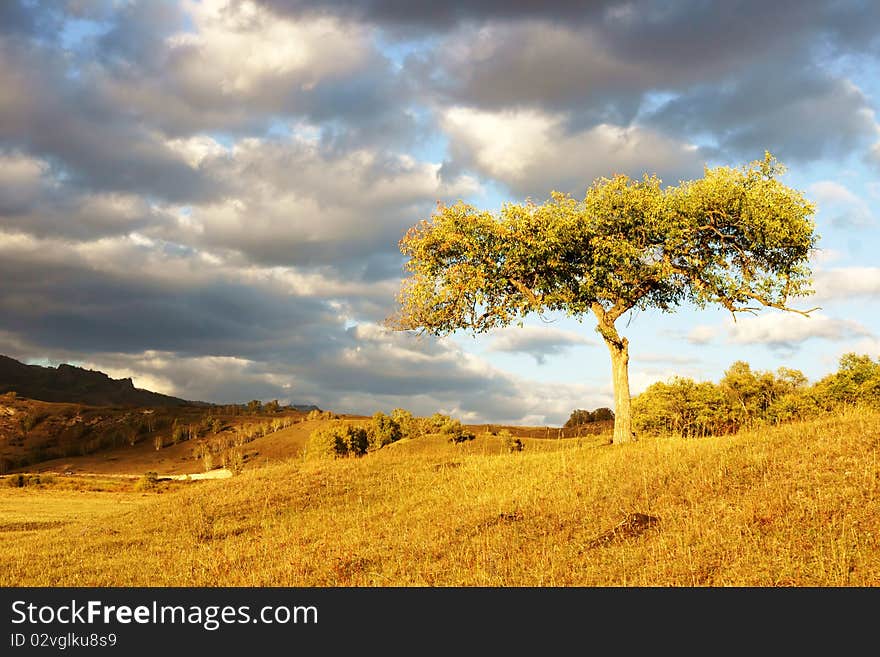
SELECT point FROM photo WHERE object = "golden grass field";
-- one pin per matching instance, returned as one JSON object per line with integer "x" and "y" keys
{"x": 795, "y": 505}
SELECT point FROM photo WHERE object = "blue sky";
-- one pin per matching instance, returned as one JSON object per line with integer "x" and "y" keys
{"x": 207, "y": 196}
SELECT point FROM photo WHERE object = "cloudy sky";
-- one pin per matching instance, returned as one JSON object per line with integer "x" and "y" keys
{"x": 208, "y": 196}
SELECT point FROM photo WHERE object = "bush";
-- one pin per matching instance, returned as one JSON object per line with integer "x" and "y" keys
{"x": 178, "y": 432}
{"x": 148, "y": 482}
{"x": 455, "y": 432}
{"x": 383, "y": 430}
{"x": 336, "y": 440}
{"x": 409, "y": 426}
{"x": 510, "y": 443}
{"x": 23, "y": 480}
{"x": 235, "y": 462}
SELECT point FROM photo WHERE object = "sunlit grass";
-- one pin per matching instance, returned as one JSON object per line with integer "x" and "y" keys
{"x": 788, "y": 506}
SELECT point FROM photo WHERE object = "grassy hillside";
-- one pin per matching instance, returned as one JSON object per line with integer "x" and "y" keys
{"x": 47, "y": 436}
{"x": 796, "y": 505}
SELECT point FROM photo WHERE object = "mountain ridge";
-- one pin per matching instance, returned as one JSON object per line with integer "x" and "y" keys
{"x": 72, "y": 384}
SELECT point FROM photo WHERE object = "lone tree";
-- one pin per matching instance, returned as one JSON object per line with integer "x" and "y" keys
{"x": 735, "y": 237}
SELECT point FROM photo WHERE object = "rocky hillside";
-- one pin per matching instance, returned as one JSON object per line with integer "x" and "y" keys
{"x": 67, "y": 383}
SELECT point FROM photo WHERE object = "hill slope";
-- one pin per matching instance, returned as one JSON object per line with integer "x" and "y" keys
{"x": 795, "y": 505}
{"x": 70, "y": 384}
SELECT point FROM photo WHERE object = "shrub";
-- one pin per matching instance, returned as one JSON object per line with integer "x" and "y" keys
{"x": 235, "y": 462}
{"x": 148, "y": 482}
{"x": 178, "y": 431}
{"x": 409, "y": 426}
{"x": 510, "y": 443}
{"x": 336, "y": 440}
{"x": 455, "y": 432}
{"x": 383, "y": 430}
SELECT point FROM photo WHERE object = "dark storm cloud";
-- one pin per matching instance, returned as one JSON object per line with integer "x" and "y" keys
{"x": 690, "y": 35}
{"x": 102, "y": 112}
{"x": 60, "y": 303}
{"x": 803, "y": 115}
{"x": 186, "y": 80}
{"x": 440, "y": 15}
{"x": 209, "y": 338}
{"x": 633, "y": 48}
{"x": 29, "y": 18}
{"x": 47, "y": 112}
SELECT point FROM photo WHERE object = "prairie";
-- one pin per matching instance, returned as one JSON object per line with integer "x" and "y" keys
{"x": 790, "y": 505}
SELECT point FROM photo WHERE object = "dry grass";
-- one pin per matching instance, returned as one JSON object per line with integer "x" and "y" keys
{"x": 791, "y": 506}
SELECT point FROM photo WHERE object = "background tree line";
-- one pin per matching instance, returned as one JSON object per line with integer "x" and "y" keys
{"x": 746, "y": 398}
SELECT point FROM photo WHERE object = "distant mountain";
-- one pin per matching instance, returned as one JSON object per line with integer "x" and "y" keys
{"x": 67, "y": 383}
{"x": 303, "y": 408}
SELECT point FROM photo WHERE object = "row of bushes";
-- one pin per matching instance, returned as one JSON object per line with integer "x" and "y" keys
{"x": 746, "y": 398}
{"x": 343, "y": 438}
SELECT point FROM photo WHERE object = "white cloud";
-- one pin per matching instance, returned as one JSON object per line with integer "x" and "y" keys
{"x": 291, "y": 201}
{"x": 532, "y": 151}
{"x": 537, "y": 341}
{"x": 843, "y": 283}
{"x": 195, "y": 150}
{"x": 788, "y": 329}
{"x": 702, "y": 334}
{"x": 847, "y": 208}
{"x": 242, "y": 49}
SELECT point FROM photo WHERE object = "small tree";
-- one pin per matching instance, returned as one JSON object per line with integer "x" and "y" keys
{"x": 336, "y": 440}
{"x": 578, "y": 417}
{"x": 178, "y": 431}
{"x": 408, "y": 424}
{"x": 735, "y": 237}
{"x": 383, "y": 430}
{"x": 511, "y": 444}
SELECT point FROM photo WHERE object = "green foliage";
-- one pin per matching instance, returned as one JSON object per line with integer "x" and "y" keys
{"x": 736, "y": 237}
{"x": 455, "y": 432}
{"x": 510, "y": 443}
{"x": 681, "y": 406}
{"x": 383, "y": 430}
{"x": 30, "y": 420}
{"x": 337, "y": 440}
{"x": 178, "y": 431}
{"x": 580, "y": 417}
{"x": 746, "y": 398}
{"x": 25, "y": 480}
{"x": 855, "y": 380}
{"x": 409, "y": 425}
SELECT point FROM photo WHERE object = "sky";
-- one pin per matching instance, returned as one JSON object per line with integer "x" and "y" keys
{"x": 208, "y": 196}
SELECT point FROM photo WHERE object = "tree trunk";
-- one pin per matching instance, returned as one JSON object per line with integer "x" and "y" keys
{"x": 619, "y": 349}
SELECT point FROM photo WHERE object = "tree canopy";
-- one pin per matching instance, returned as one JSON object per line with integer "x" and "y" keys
{"x": 736, "y": 237}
